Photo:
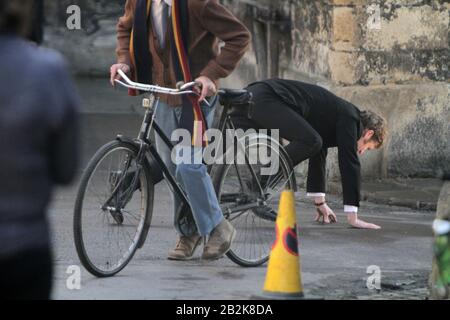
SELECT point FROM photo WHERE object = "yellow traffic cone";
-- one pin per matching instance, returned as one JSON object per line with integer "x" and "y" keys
{"x": 283, "y": 279}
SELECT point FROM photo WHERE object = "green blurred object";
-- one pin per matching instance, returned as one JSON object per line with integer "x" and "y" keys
{"x": 442, "y": 256}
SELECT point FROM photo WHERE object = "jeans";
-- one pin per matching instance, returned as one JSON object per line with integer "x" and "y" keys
{"x": 194, "y": 178}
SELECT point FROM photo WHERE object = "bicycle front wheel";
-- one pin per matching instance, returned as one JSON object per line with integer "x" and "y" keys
{"x": 113, "y": 209}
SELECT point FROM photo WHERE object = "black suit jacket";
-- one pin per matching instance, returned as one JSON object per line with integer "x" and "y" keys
{"x": 338, "y": 123}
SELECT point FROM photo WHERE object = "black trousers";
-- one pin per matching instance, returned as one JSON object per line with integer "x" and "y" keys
{"x": 26, "y": 275}
{"x": 270, "y": 112}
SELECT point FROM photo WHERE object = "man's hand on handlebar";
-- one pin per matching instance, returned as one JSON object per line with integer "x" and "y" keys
{"x": 114, "y": 72}
{"x": 208, "y": 88}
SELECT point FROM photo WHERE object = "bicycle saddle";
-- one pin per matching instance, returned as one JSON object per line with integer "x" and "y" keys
{"x": 235, "y": 97}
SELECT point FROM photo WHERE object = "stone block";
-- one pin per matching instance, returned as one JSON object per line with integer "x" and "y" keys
{"x": 346, "y": 33}
{"x": 348, "y": 2}
{"x": 412, "y": 28}
{"x": 345, "y": 68}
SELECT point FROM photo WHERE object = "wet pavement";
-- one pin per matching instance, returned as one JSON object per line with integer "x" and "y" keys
{"x": 335, "y": 259}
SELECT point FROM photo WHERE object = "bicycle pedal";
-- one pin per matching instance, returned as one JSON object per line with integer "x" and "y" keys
{"x": 266, "y": 213}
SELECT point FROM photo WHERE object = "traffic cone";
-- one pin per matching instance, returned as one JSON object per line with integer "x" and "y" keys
{"x": 283, "y": 278}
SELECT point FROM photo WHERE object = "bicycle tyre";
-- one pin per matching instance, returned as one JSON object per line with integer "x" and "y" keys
{"x": 78, "y": 210}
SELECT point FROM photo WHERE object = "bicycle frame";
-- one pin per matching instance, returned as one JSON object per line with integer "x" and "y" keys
{"x": 145, "y": 145}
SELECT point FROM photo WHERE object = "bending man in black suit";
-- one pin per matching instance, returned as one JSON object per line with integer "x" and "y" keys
{"x": 313, "y": 119}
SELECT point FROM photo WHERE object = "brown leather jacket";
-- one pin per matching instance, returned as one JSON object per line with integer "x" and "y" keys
{"x": 209, "y": 23}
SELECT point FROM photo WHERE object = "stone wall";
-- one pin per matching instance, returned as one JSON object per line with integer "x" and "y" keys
{"x": 411, "y": 44}
{"x": 91, "y": 49}
{"x": 397, "y": 65}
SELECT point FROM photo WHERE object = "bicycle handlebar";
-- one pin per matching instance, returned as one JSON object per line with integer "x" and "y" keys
{"x": 127, "y": 83}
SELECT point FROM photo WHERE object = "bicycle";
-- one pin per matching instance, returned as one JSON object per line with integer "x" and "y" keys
{"x": 114, "y": 204}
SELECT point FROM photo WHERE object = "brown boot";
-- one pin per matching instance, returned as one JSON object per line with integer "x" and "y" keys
{"x": 219, "y": 242}
{"x": 185, "y": 248}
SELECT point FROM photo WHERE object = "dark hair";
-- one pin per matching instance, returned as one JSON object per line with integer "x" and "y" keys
{"x": 372, "y": 121}
{"x": 15, "y": 16}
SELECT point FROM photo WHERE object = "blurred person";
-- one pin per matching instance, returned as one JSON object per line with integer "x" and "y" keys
{"x": 166, "y": 41}
{"x": 38, "y": 138}
{"x": 36, "y": 31}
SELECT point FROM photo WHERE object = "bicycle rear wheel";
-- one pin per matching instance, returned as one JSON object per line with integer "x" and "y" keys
{"x": 113, "y": 209}
{"x": 235, "y": 186}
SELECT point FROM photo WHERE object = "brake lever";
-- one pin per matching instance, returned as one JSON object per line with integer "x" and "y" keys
{"x": 185, "y": 86}
{"x": 190, "y": 85}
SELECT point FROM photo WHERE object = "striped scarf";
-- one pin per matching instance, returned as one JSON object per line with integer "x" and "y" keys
{"x": 192, "y": 118}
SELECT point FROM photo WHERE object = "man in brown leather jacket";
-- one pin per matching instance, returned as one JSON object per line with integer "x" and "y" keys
{"x": 209, "y": 23}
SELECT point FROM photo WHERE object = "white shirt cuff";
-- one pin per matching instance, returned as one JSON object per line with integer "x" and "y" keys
{"x": 350, "y": 209}
{"x": 316, "y": 194}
